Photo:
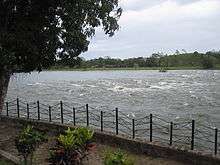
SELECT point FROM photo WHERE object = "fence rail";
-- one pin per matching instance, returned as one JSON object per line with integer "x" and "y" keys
{"x": 187, "y": 134}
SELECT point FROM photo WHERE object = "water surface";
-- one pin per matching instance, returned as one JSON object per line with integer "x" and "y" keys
{"x": 175, "y": 94}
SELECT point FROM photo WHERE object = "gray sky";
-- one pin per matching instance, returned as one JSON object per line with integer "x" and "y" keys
{"x": 149, "y": 26}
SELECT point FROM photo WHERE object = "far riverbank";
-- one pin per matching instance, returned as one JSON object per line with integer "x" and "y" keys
{"x": 55, "y": 68}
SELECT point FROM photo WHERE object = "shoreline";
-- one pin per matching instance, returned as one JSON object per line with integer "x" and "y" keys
{"x": 128, "y": 69}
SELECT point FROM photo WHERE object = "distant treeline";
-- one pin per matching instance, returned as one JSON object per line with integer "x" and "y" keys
{"x": 183, "y": 60}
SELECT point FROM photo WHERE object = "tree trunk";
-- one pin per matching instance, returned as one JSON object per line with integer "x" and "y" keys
{"x": 4, "y": 81}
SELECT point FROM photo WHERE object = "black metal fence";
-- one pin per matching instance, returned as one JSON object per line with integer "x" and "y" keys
{"x": 153, "y": 128}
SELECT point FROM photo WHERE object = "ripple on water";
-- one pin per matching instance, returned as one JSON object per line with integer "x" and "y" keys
{"x": 184, "y": 93}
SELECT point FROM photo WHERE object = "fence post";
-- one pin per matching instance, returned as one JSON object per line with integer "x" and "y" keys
{"x": 50, "y": 114}
{"x": 28, "y": 113}
{"x": 74, "y": 116}
{"x": 101, "y": 121}
{"x": 193, "y": 133}
{"x": 61, "y": 111}
{"x": 38, "y": 110}
{"x": 116, "y": 120}
{"x": 18, "y": 107}
{"x": 216, "y": 141}
{"x": 7, "y": 108}
{"x": 171, "y": 133}
{"x": 87, "y": 115}
{"x": 151, "y": 127}
{"x": 133, "y": 129}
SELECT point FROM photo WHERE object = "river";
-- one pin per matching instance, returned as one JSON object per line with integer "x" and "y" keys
{"x": 177, "y": 95}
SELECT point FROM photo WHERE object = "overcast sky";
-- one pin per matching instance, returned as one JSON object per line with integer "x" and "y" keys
{"x": 149, "y": 26}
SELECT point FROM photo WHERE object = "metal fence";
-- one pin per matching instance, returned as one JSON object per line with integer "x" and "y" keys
{"x": 187, "y": 135}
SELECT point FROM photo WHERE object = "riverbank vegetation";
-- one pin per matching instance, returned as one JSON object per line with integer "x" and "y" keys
{"x": 195, "y": 60}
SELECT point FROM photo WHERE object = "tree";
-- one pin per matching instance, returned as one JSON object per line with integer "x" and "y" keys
{"x": 177, "y": 52}
{"x": 207, "y": 62}
{"x": 156, "y": 57}
{"x": 33, "y": 33}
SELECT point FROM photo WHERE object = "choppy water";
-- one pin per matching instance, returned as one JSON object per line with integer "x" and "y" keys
{"x": 175, "y": 94}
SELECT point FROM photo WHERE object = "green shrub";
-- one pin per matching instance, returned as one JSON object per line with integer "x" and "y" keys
{"x": 117, "y": 158}
{"x": 72, "y": 146}
{"x": 83, "y": 135}
{"x": 67, "y": 140}
{"x": 75, "y": 138}
{"x": 27, "y": 141}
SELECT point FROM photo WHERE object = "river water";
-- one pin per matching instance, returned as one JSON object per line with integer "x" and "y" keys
{"x": 175, "y": 95}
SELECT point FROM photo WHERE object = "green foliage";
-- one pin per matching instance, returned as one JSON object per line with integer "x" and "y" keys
{"x": 159, "y": 60}
{"x": 72, "y": 146}
{"x": 27, "y": 141}
{"x": 67, "y": 140}
{"x": 34, "y": 33}
{"x": 75, "y": 138}
{"x": 207, "y": 62}
{"x": 117, "y": 158}
{"x": 83, "y": 135}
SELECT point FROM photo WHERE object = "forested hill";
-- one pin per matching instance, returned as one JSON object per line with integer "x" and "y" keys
{"x": 178, "y": 60}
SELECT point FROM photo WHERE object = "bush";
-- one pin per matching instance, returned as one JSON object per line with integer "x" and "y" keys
{"x": 72, "y": 146}
{"x": 117, "y": 158}
{"x": 27, "y": 141}
{"x": 207, "y": 62}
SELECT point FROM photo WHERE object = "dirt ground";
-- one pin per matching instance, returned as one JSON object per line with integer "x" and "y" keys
{"x": 9, "y": 132}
